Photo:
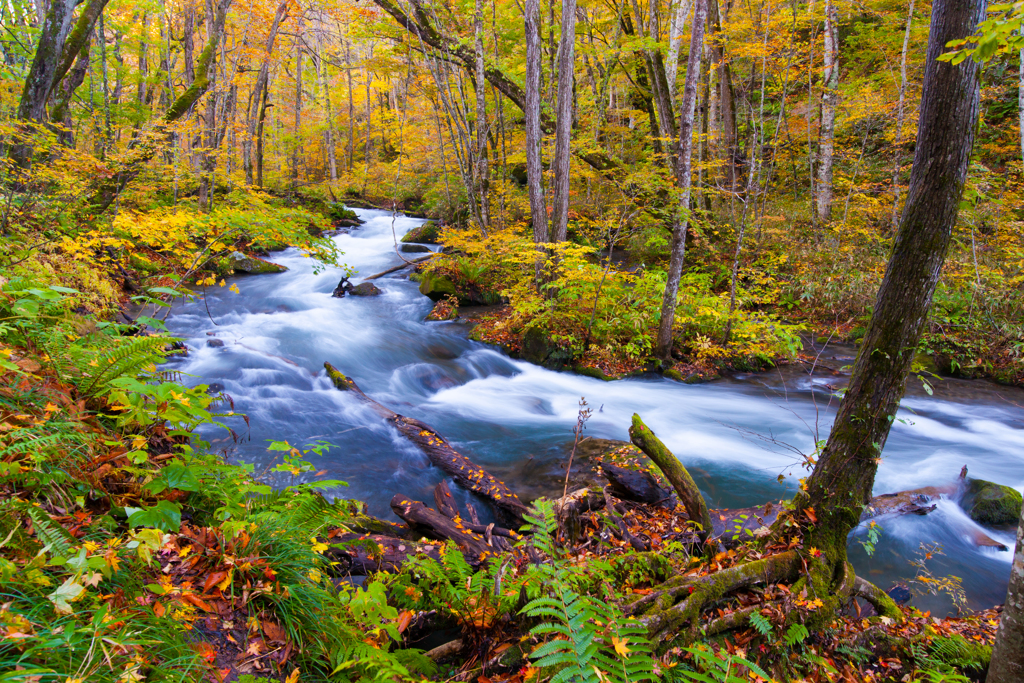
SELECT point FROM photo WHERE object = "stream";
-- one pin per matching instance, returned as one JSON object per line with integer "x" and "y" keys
{"x": 515, "y": 419}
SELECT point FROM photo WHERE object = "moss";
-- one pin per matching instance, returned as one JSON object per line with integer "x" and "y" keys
{"x": 672, "y": 373}
{"x": 428, "y": 233}
{"x": 435, "y": 286}
{"x": 990, "y": 503}
{"x": 596, "y": 373}
{"x": 339, "y": 379}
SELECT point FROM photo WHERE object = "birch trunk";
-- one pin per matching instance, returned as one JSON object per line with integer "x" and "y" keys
{"x": 687, "y": 107}
{"x": 534, "y": 166}
{"x": 563, "y": 124}
{"x": 675, "y": 41}
{"x": 826, "y": 131}
{"x": 298, "y": 104}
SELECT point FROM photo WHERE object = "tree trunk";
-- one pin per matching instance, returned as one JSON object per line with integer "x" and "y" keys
{"x": 298, "y": 104}
{"x": 683, "y": 173}
{"x": 1008, "y": 652}
{"x": 826, "y": 131}
{"x": 259, "y": 92}
{"x": 563, "y": 122}
{"x": 47, "y": 61}
{"x": 60, "y": 112}
{"x": 534, "y": 165}
{"x": 726, "y": 104}
{"x": 841, "y": 483}
{"x": 259, "y": 134}
{"x": 482, "y": 174}
{"x": 675, "y": 41}
{"x": 898, "y": 146}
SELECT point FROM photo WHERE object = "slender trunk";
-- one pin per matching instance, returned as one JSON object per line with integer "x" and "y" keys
{"x": 841, "y": 483}
{"x": 329, "y": 141}
{"x": 563, "y": 124}
{"x": 1020, "y": 100}
{"x": 482, "y": 171}
{"x": 826, "y": 131}
{"x": 534, "y": 165}
{"x": 1007, "y": 664}
{"x": 61, "y": 109}
{"x": 297, "y": 126}
{"x": 351, "y": 105}
{"x": 898, "y": 146}
{"x": 258, "y": 102}
{"x": 726, "y": 101}
{"x": 102, "y": 35}
{"x": 687, "y": 107}
{"x": 675, "y": 41}
{"x": 259, "y": 134}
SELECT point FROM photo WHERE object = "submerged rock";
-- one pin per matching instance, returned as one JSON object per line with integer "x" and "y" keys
{"x": 366, "y": 289}
{"x": 414, "y": 249}
{"x": 241, "y": 263}
{"x": 990, "y": 503}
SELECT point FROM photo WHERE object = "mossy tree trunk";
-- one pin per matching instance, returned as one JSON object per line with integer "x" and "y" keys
{"x": 841, "y": 483}
{"x": 1008, "y": 653}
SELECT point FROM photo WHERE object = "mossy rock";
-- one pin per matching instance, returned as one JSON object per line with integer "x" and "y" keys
{"x": 990, "y": 503}
{"x": 428, "y": 233}
{"x": 436, "y": 286}
{"x": 340, "y": 212}
{"x": 539, "y": 349}
{"x": 672, "y": 373}
{"x": 596, "y": 373}
{"x": 241, "y": 263}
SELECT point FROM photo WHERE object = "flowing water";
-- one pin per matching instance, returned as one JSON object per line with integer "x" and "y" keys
{"x": 736, "y": 435}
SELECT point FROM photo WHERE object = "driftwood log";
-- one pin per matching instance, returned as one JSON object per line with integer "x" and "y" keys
{"x": 644, "y": 439}
{"x": 401, "y": 266}
{"x": 431, "y": 523}
{"x": 508, "y": 509}
{"x": 637, "y": 486}
{"x": 365, "y": 554}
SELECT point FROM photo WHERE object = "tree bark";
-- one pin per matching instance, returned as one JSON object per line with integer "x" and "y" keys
{"x": 1007, "y": 664}
{"x": 531, "y": 108}
{"x": 683, "y": 173}
{"x": 47, "y": 61}
{"x": 298, "y": 105}
{"x": 898, "y": 146}
{"x": 826, "y": 131}
{"x": 841, "y": 483}
{"x": 563, "y": 123}
{"x": 482, "y": 170}
{"x": 60, "y": 112}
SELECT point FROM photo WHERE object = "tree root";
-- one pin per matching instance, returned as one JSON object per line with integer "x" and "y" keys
{"x": 708, "y": 589}
{"x": 877, "y": 598}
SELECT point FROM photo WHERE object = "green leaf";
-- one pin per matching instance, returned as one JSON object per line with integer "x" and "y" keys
{"x": 66, "y": 593}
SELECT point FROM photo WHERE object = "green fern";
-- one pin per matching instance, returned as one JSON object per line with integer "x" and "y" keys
{"x": 124, "y": 359}
{"x": 762, "y": 625}
{"x": 592, "y": 641}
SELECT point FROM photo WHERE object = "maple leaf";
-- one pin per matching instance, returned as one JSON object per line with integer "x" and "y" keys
{"x": 620, "y": 646}
{"x": 254, "y": 648}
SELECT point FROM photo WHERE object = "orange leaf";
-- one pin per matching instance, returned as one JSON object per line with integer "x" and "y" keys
{"x": 159, "y": 609}
{"x": 194, "y": 600}
{"x": 811, "y": 515}
{"x": 404, "y": 619}
{"x": 212, "y": 580}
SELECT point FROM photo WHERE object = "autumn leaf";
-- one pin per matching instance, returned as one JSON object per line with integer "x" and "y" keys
{"x": 620, "y": 646}
{"x": 811, "y": 514}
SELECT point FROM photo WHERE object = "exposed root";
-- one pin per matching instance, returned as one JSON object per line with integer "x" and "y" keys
{"x": 707, "y": 590}
{"x": 878, "y": 598}
{"x": 730, "y": 621}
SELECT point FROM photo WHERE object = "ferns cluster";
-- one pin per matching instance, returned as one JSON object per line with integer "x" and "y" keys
{"x": 592, "y": 641}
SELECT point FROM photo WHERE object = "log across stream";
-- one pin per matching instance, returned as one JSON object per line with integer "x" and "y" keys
{"x": 514, "y": 420}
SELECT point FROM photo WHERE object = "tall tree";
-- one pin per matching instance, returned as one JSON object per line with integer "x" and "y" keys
{"x": 841, "y": 483}
{"x": 481, "y": 173}
{"x": 257, "y": 99}
{"x": 1007, "y": 664}
{"x": 684, "y": 176}
{"x": 531, "y": 108}
{"x": 827, "y": 129}
{"x": 563, "y": 122}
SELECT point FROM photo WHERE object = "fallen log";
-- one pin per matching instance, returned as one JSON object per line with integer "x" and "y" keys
{"x": 365, "y": 554}
{"x": 644, "y": 439}
{"x": 433, "y": 524}
{"x": 444, "y": 501}
{"x": 506, "y": 505}
{"x": 400, "y": 266}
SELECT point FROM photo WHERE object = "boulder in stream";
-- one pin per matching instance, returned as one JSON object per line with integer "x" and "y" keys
{"x": 990, "y": 503}
{"x": 366, "y": 289}
{"x": 241, "y": 263}
{"x": 414, "y": 249}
